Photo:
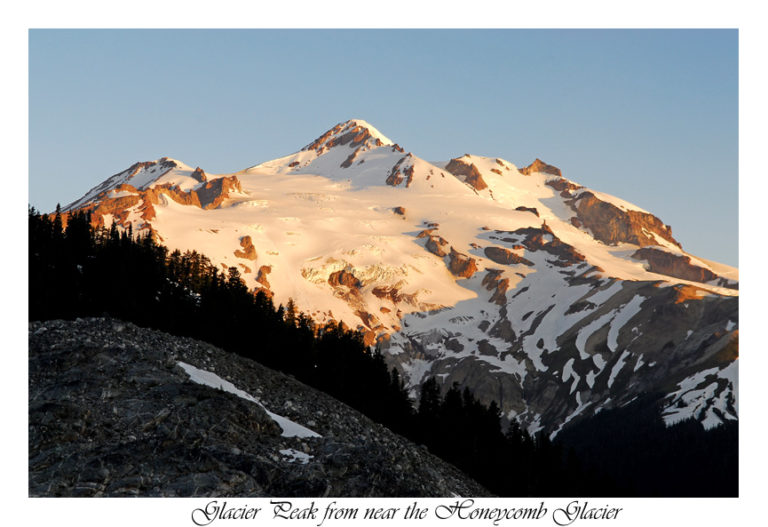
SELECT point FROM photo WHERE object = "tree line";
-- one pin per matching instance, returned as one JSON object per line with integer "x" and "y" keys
{"x": 79, "y": 270}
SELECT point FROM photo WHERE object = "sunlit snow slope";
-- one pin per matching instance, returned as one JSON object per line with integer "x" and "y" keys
{"x": 552, "y": 299}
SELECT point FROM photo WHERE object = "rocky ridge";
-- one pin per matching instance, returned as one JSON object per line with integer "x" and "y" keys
{"x": 113, "y": 412}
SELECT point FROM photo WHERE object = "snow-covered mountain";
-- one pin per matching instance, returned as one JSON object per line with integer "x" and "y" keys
{"x": 550, "y": 298}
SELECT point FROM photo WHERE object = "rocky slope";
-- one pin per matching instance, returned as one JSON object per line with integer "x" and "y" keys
{"x": 117, "y": 410}
{"x": 550, "y": 298}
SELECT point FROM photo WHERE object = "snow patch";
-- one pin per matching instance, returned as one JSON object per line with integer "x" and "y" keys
{"x": 618, "y": 366}
{"x": 639, "y": 363}
{"x": 623, "y": 316}
{"x": 207, "y": 378}
{"x": 709, "y": 396}
{"x": 588, "y": 330}
{"x": 296, "y": 456}
{"x": 568, "y": 372}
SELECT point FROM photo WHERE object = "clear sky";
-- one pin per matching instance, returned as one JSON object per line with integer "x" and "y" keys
{"x": 650, "y": 116}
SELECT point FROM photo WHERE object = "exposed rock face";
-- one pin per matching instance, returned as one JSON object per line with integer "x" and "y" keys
{"x": 468, "y": 173}
{"x": 249, "y": 251}
{"x": 208, "y": 195}
{"x": 435, "y": 244}
{"x": 112, "y": 412}
{"x": 612, "y": 225}
{"x": 536, "y": 239}
{"x": 371, "y": 326}
{"x": 399, "y": 210}
{"x": 461, "y": 265}
{"x": 499, "y": 286}
{"x": 565, "y": 186}
{"x": 347, "y": 287}
{"x": 390, "y": 293}
{"x": 355, "y": 136}
{"x": 261, "y": 277}
{"x": 319, "y": 143}
{"x": 396, "y": 177}
{"x": 532, "y": 210}
{"x": 559, "y": 183}
{"x": 505, "y": 256}
{"x": 199, "y": 175}
{"x": 349, "y": 160}
{"x": 408, "y": 171}
{"x": 117, "y": 207}
{"x": 539, "y": 166}
{"x": 352, "y": 135}
{"x": 214, "y": 192}
{"x": 639, "y": 338}
{"x": 344, "y": 278}
{"x": 679, "y": 266}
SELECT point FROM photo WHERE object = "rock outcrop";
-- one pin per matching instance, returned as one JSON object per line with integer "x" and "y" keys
{"x": 402, "y": 171}
{"x": 492, "y": 281}
{"x": 213, "y": 192}
{"x": 532, "y": 210}
{"x": 344, "y": 278}
{"x": 461, "y": 265}
{"x": 504, "y": 256}
{"x": 117, "y": 202}
{"x": 114, "y": 411}
{"x": 199, "y": 175}
{"x": 679, "y": 266}
{"x": 467, "y": 172}
{"x": 534, "y": 239}
{"x": 435, "y": 243}
{"x": 248, "y": 251}
{"x": 261, "y": 276}
{"x": 539, "y": 166}
{"x": 353, "y": 135}
{"x": 613, "y": 225}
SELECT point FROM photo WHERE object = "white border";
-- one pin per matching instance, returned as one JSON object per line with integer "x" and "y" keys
{"x": 743, "y": 15}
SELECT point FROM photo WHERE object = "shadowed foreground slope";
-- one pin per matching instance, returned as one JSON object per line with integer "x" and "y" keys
{"x": 112, "y": 412}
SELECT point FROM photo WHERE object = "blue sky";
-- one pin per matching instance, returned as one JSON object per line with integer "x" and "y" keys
{"x": 650, "y": 116}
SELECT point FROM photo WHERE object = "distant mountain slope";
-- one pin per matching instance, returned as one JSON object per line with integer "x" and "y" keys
{"x": 555, "y": 300}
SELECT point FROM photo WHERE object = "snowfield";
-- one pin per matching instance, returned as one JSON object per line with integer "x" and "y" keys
{"x": 353, "y": 228}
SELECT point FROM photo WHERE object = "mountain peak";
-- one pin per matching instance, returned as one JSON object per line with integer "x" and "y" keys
{"x": 514, "y": 278}
{"x": 355, "y": 133}
{"x": 371, "y": 129}
{"x": 541, "y": 167}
